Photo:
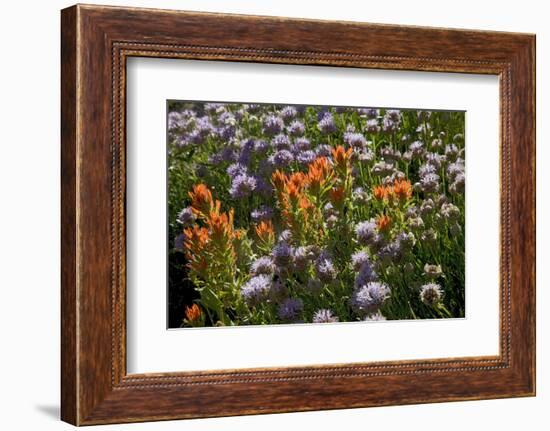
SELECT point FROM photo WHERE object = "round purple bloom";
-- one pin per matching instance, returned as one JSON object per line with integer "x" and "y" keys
{"x": 323, "y": 150}
{"x": 389, "y": 125}
{"x": 393, "y": 114}
{"x": 301, "y": 144}
{"x": 282, "y": 158}
{"x": 430, "y": 183}
{"x": 431, "y": 294}
{"x": 326, "y": 272}
{"x": 300, "y": 258}
{"x": 324, "y": 316}
{"x": 405, "y": 241}
{"x": 458, "y": 184}
{"x": 296, "y": 128}
{"x": 454, "y": 169}
{"x": 306, "y": 157}
{"x": 281, "y": 142}
{"x": 372, "y": 126}
{"x": 236, "y": 169}
{"x": 262, "y": 213}
{"x": 358, "y": 259}
{"x": 256, "y": 289}
{"x": 366, "y": 232}
{"x": 282, "y": 254}
{"x": 374, "y": 317}
{"x": 450, "y": 211}
{"x": 355, "y": 140}
{"x": 435, "y": 159}
{"x": 369, "y": 112}
{"x": 326, "y": 124}
{"x": 290, "y": 309}
{"x": 242, "y": 186}
{"x": 426, "y": 169}
{"x": 179, "y": 242}
{"x": 272, "y": 125}
{"x": 263, "y": 265}
{"x": 261, "y": 146}
{"x": 285, "y": 236}
{"x": 382, "y": 169}
{"x": 451, "y": 151}
{"x": 416, "y": 149}
{"x": 368, "y": 298}
{"x": 186, "y": 216}
{"x": 288, "y": 113}
{"x": 365, "y": 275}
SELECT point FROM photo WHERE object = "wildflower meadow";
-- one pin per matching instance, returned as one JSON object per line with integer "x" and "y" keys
{"x": 313, "y": 214}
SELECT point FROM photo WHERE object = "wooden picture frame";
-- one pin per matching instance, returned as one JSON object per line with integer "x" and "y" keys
{"x": 95, "y": 43}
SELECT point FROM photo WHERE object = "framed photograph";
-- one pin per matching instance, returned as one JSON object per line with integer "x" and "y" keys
{"x": 324, "y": 214}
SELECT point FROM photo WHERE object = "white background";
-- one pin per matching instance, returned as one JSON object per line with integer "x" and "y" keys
{"x": 151, "y": 348}
{"x": 29, "y": 220}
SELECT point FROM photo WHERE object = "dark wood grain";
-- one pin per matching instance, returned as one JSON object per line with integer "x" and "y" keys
{"x": 96, "y": 41}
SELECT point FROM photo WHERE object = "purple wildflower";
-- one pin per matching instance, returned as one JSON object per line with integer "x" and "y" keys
{"x": 281, "y": 142}
{"x": 288, "y": 113}
{"x": 300, "y": 258}
{"x": 326, "y": 124}
{"x": 355, "y": 140}
{"x": 282, "y": 254}
{"x": 325, "y": 268}
{"x": 236, "y": 169}
{"x": 256, "y": 289}
{"x": 324, "y": 316}
{"x": 290, "y": 309}
{"x": 186, "y": 216}
{"x": 272, "y": 125}
{"x": 366, "y": 232}
{"x": 431, "y": 294}
{"x": 372, "y": 126}
{"x": 305, "y": 157}
{"x": 296, "y": 128}
{"x": 262, "y": 213}
{"x": 301, "y": 144}
{"x": 263, "y": 265}
{"x": 368, "y": 298}
{"x": 358, "y": 259}
{"x": 282, "y": 158}
{"x": 242, "y": 186}
{"x": 365, "y": 275}
{"x": 179, "y": 242}
{"x": 430, "y": 183}
{"x": 261, "y": 146}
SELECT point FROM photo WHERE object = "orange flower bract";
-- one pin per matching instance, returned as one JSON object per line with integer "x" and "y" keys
{"x": 201, "y": 199}
{"x": 341, "y": 157}
{"x": 402, "y": 189}
{"x": 383, "y": 222}
{"x": 193, "y": 313}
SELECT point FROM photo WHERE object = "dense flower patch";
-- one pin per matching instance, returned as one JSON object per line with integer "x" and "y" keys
{"x": 286, "y": 214}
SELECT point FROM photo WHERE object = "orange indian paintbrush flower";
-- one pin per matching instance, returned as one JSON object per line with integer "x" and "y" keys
{"x": 337, "y": 196}
{"x": 265, "y": 231}
{"x": 201, "y": 199}
{"x": 383, "y": 222}
{"x": 193, "y": 313}
{"x": 221, "y": 226}
{"x": 341, "y": 157}
{"x": 402, "y": 189}
{"x": 318, "y": 173}
{"x": 380, "y": 192}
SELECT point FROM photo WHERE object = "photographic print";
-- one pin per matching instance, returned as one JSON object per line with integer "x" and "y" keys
{"x": 281, "y": 214}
